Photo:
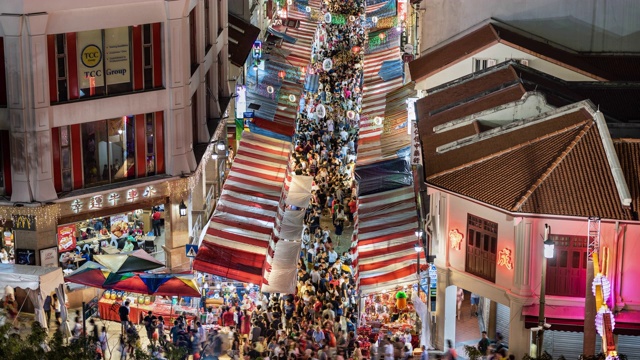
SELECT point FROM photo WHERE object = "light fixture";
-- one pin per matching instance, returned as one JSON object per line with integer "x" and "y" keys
{"x": 183, "y": 208}
{"x": 214, "y": 156}
{"x": 255, "y": 67}
{"x": 221, "y": 146}
{"x": 292, "y": 98}
{"x": 417, "y": 247}
{"x": 419, "y": 233}
{"x": 549, "y": 245}
{"x": 549, "y": 249}
{"x": 270, "y": 89}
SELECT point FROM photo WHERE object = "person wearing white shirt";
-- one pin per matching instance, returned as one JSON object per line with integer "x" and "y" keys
{"x": 333, "y": 256}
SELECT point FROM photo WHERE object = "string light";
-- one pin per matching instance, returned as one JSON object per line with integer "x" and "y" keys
{"x": 606, "y": 286}
{"x": 46, "y": 215}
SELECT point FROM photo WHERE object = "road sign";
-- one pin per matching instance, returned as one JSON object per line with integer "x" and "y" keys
{"x": 192, "y": 250}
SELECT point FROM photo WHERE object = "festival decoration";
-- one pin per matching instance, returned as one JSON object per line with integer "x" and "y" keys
{"x": 401, "y": 300}
{"x": 351, "y": 114}
{"x": 270, "y": 89}
{"x": 327, "y": 18}
{"x": 292, "y": 98}
{"x": 602, "y": 281}
{"x": 327, "y": 64}
{"x": 455, "y": 238}
{"x": 504, "y": 258}
{"x": 321, "y": 111}
{"x": 377, "y": 120}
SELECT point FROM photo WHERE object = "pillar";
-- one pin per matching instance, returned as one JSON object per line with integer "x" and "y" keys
{"x": 176, "y": 236}
{"x": 180, "y": 157}
{"x": 450, "y": 310}
{"x": 493, "y": 314}
{"x": 589, "y": 341}
{"x": 521, "y": 276}
{"x": 519, "y": 336}
{"x": 440, "y": 316}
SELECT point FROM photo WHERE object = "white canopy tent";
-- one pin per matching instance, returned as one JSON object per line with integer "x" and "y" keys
{"x": 39, "y": 282}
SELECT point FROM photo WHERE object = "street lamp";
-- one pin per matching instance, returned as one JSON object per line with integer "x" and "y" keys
{"x": 183, "y": 209}
{"x": 549, "y": 248}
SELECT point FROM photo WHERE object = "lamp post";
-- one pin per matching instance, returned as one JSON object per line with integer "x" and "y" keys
{"x": 549, "y": 248}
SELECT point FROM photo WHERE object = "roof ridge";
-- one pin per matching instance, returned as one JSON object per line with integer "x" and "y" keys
{"x": 554, "y": 165}
{"x": 510, "y": 149}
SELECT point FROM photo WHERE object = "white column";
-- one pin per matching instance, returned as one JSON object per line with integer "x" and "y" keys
{"x": 440, "y": 313}
{"x": 450, "y": 309}
{"x": 522, "y": 260}
{"x": 180, "y": 158}
{"x": 519, "y": 336}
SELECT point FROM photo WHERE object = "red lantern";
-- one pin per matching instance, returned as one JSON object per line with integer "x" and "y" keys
{"x": 281, "y": 74}
{"x": 355, "y": 49}
{"x": 381, "y": 36}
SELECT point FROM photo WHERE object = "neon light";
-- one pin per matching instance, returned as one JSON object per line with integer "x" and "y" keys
{"x": 455, "y": 238}
{"x": 505, "y": 260}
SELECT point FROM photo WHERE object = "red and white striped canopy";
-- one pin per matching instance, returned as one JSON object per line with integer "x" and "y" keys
{"x": 387, "y": 222}
{"x": 237, "y": 237}
{"x": 373, "y": 104}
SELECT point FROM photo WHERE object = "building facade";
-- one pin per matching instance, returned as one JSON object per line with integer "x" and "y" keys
{"x": 110, "y": 110}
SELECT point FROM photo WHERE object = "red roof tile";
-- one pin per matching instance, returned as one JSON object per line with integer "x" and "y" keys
{"x": 544, "y": 168}
{"x": 615, "y": 67}
{"x": 629, "y": 155}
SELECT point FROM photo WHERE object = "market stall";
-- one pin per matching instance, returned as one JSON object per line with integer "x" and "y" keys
{"x": 170, "y": 308}
{"x": 39, "y": 282}
{"x": 389, "y": 313}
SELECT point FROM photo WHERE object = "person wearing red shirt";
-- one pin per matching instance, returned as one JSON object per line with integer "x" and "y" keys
{"x": 227, "y": 318}
{"x": 155, "y": 217}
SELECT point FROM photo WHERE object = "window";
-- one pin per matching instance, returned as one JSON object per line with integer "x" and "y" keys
{"x": 150, "y": 130}
{"x": 482, "y": 246}
{"x": 147, "y": 54}
{"x": 193, "y": 52}
{"x": 106, "y": 62}
{"x": 3, "y": 76}
{"x": 481, "y": 64}
{"x": 567, "y": 271}
{"x": 61, "y": 66}
{"x": 65, "y": 158}
{"x": 207, "y": 25}
{"x": 108, "y": 150}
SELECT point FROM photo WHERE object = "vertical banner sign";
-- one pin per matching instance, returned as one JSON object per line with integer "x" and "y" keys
{"x": 117, "y": 59}
{"x": 66, "y": 238}
{"x": 90, "y": 55}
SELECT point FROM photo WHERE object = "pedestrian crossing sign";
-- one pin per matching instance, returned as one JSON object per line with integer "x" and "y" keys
{"x": 191, "y": 250}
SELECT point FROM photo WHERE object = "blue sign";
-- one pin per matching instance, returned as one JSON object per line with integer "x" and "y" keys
{"x": 192, "y": 250}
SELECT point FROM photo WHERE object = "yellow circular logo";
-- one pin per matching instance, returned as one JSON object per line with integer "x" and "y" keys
{"x": 91, "y": 56}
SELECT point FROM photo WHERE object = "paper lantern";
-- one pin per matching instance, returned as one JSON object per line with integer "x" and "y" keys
{"x": 374, "y": 20}
{"x": 352, "y": 18}
{"x": 606, "y": 286}
{"x": 292, "y": 98}
{"x": 282, "y": 74}
{"x": 327, "y": 18}
{"x": 270, "y": 89}
{"x": 600, "y": 320}
{"x": 356, "y": 49}
{"x": 327, "y": 64}
{"x": 308, "y": 9}
{"x": 351, "y": 114}
{"x": 321, "y": 111}
{"x": 377, "y": 120}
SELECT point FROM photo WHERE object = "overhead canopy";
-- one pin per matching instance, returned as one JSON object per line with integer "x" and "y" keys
{"x": 238, "y": 235}
{"x": 280, "y": 276}
{"x": 138, "y": 260}
{"x": 39, "y": 278}
{"x": 387, "y": 222}
{"x": 383, "y": 176}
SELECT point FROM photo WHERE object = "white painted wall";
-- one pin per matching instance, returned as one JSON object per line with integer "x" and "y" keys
{"x": 583, "y": 25}
{"x": 499, "y": 52}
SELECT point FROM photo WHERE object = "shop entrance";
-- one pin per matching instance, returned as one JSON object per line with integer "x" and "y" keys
{"x": 471, "y": 315}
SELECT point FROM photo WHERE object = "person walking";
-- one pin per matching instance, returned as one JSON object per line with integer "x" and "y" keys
{"x": 47, "y": 308}
{"x": 124, "y": 312}
{"x": 156, "y": 222}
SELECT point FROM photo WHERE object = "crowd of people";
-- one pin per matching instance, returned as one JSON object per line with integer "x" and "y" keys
{"x": 319, "y": 320}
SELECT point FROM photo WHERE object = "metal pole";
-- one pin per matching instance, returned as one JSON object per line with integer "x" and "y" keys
{"x": 418, "y": 271}
{"x": 541, "y": 322}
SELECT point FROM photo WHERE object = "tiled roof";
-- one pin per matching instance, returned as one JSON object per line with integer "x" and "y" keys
{"x": 629, "y": 155}
{"x": 546, "y": 168}
{"x": 602, "y": 67}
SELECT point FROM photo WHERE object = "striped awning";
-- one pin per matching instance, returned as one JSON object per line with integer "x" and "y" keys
{"x": 237, "y": 239}
{"x": 386, "y": 224}
{"x": 374, "y": 104}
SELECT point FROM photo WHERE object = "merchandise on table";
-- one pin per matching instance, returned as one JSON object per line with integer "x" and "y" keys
{"x": 168, "y": 308}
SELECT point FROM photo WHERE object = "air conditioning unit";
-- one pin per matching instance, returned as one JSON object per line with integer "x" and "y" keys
{"x": 491, "y": 62}
{"x": 524, "y": 62}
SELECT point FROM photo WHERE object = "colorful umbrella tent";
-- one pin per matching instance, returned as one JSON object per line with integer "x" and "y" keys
{"x": 137, "y": 260}
{"x": 89, "y": 274}
{"x": 153, "y": 284}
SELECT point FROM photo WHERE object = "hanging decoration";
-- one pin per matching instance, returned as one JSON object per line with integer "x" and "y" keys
{"x": 605, "y": 285}
{"x": 327, "y": 64}
{"x": 321, "y": 111}
{"x": 377, "y": 120}
{"x": 292, "y": 98}
{"x": 351, "y": 114}
{"x": 327, "y": 18}
{"x": 401, "y": 300}
{"x": 270, "y": 89}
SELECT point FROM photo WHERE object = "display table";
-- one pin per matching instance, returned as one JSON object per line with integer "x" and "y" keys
{"x": 109, "y": 311}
